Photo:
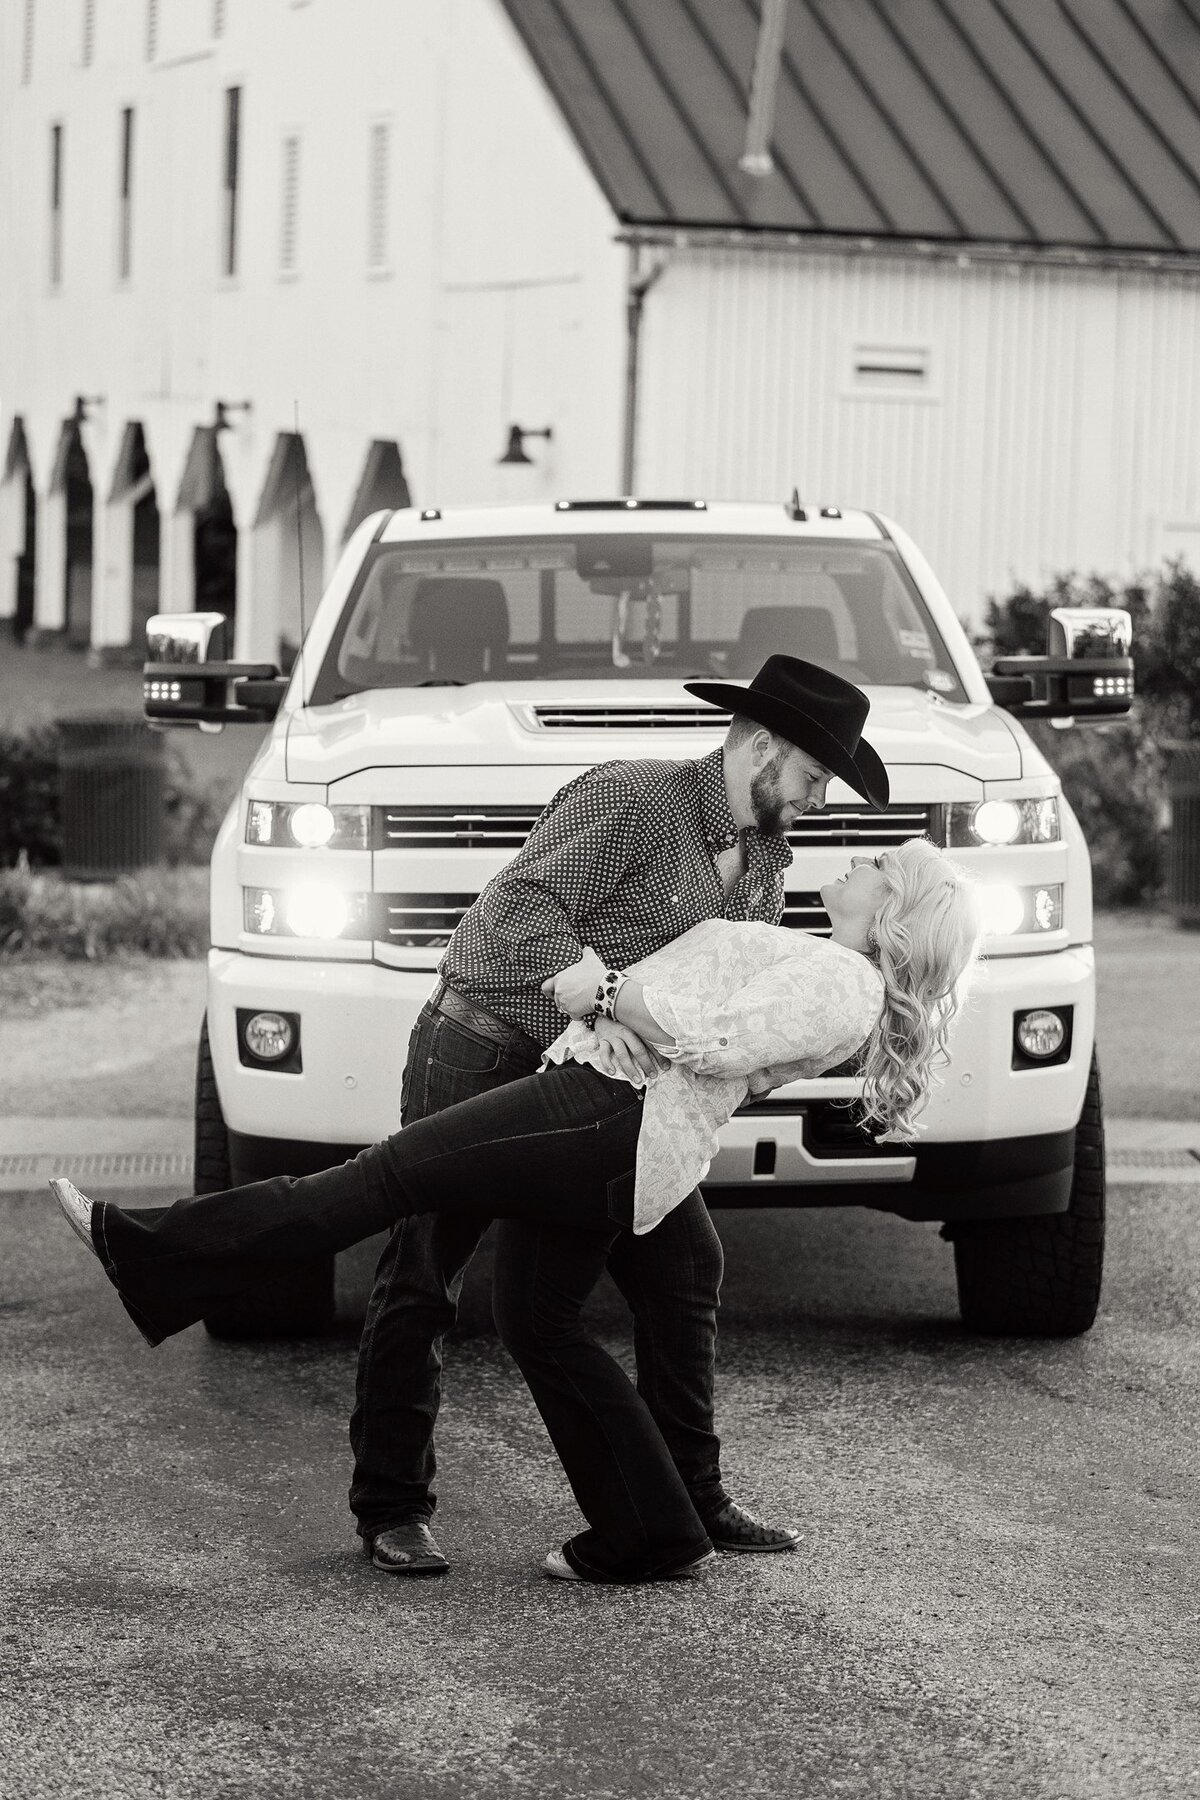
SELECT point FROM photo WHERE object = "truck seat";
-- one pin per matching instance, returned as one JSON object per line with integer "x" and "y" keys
{"x": 458, "y": 628}
{"x": 807, "y": 631}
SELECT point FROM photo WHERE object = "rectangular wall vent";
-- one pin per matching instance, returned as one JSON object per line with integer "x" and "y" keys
{"x": 890, "y": 368}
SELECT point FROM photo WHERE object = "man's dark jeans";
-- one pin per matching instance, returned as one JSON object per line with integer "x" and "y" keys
{"x": 554, "y": 1153}
{"x": 670, "y": 1279}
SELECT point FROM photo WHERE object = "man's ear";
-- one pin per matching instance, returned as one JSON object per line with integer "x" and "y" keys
{"x": 761, "y": 746}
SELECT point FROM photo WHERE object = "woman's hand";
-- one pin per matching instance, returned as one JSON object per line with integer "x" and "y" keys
{"x": 573, "y": 990}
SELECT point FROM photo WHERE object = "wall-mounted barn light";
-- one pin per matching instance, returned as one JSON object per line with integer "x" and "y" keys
{"x": 515, "y": 453}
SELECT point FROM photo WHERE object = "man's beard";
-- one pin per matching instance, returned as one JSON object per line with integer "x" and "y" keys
{"x": 766, "y": 796}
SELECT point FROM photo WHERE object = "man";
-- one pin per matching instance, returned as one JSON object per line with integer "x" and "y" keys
{"x": 624, "y": 858}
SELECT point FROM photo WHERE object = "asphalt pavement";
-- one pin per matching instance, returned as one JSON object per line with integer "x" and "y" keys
{"x": 995, "y": 1597}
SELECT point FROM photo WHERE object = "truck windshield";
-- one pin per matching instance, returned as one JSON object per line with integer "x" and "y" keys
{"x": 607, "y": 608}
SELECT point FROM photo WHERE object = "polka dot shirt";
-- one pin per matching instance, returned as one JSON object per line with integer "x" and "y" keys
{"x": 623, "y": 859}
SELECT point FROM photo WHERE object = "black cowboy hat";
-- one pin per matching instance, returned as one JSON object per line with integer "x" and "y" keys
{"x": 812, "y": 708}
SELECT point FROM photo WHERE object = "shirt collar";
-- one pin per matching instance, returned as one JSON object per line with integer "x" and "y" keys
{"x": 720, "y": 832}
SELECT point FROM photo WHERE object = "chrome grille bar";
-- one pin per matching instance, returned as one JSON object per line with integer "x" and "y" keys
{"x": 507, "y": 827}
{"x": 805, "y": 912}
{"x": 453, "y": 828}
{"x": 419, "y": 921}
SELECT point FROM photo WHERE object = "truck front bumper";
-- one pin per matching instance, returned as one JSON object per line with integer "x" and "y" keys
{"x": 968, "y": 1162}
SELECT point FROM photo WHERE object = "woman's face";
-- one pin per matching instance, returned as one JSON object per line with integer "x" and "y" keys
{"x": 854, "y": 899}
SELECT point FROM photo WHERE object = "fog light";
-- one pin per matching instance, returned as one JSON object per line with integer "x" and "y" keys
{"x": 315, "y": 910}
{"x": 269, "y": 1035}
{"x": 1041, "y": 1034}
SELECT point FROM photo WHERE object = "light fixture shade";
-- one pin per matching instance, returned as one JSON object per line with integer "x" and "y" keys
{"x": 515, "y": 453}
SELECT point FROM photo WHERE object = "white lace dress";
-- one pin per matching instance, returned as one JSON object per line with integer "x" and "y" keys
{"x": 741, "y": 1001}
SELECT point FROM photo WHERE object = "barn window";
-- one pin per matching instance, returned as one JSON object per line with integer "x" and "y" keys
{"x": 290, "y": 207}
{"x": 379, "y": 156}
{"x": 56, "y": 205}
{"x": 125, "y": 198}
{"x": 229, "y": 186}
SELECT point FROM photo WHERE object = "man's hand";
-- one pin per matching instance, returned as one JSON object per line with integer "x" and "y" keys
{"x": 622, "y": 1052}
{"x": 573, "y": 990}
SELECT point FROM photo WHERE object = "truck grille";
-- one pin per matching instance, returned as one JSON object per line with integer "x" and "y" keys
{"x": 507, "y": 827}
{"x": 419, "y": 921}
{"x": 453, "y": 828}
{"x": 849, "y": 827}
{"x": 615, "y": 717}
{"x": 426, "y": 921}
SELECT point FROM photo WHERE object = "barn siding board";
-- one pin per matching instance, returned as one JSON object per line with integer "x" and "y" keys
{"x": 1061, "y": 430}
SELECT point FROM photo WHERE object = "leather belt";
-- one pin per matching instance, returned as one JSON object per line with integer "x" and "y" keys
{"x": 488, "y": 1024}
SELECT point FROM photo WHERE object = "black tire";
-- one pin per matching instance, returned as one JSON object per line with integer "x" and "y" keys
{"x": 299, "y": 1301}
{"x": 1040, "y": 1277}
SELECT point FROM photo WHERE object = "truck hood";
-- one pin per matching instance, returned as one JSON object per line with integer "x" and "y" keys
{"x": 493, "y": 725}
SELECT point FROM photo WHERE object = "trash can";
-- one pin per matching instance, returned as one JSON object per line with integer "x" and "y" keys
{"x": 1183, "y": 843}
{"x": 110, "y": 778}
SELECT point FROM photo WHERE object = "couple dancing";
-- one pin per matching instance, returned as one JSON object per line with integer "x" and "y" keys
{"x": 644, "y": 911}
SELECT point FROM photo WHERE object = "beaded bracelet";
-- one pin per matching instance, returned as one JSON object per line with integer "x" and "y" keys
{"x": 606, "y": 993}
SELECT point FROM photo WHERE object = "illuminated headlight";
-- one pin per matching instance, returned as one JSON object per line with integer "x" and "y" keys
{"x": 1112, "y": 686}
{"x": 269, "y": 1035}
{"x": 972, "y": 822}
{"x": 310, "y": 909}
{"x": 1010, "y": 911}
{"x": 308, "y": 825}
{"x": 1041, "y": 1034}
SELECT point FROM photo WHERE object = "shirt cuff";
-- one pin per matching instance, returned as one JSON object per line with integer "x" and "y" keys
{"x": 685, "y": 1021}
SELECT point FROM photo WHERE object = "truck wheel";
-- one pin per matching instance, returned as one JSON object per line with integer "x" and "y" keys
{"x": 1040, "y": 1277}
{"x": 299, "y": 1301}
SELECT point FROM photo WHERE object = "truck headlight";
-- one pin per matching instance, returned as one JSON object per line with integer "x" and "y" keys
{"x": 1009, "y": 911}
{"x": 308, "y": 825}
{"x": 970, "y": 823}
{"x": 308, "y": 909}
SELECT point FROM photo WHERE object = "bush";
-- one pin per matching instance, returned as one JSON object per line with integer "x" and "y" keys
{"x": 157, "y": 913}
{"x": 1115, "y": 775}
{"x": 30, "y": 825}
{"x": 29, "y": 796}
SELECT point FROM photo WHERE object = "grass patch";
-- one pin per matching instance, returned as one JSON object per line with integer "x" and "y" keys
{"x": 159, "y": 912}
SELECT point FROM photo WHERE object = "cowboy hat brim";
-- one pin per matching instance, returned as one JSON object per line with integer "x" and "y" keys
{"x": 863, "y": 770}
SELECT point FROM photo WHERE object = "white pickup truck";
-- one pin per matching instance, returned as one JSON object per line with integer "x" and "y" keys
{"x": 463, "y": 665}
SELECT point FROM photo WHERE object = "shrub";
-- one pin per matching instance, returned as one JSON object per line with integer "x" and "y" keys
{"x": 157, "y": 913}
{"x": 29, "y": 796}
{"x": 1115, "y": 775}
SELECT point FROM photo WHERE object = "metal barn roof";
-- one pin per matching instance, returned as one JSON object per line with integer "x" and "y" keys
{"x": 1036, "y": 122}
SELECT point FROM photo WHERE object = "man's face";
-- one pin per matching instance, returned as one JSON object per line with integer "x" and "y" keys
{"x": 787, "y": 784}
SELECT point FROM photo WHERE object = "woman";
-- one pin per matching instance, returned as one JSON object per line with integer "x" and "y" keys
{"x": 574, "y": 1157}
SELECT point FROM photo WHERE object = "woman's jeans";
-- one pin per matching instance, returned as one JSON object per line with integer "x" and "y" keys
{"x": 670, "y": 1278}
{"x": 555, "y": 1152}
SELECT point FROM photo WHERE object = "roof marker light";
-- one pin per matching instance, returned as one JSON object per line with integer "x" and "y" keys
{"x": 431, "y": 512}
{"x": 831, "y": 512}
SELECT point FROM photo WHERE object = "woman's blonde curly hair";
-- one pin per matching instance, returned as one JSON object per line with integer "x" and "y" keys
{"x": 923, "y": 940}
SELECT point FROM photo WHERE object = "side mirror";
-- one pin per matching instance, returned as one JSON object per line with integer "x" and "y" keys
{"x": 187, "y": 680}
{"x": 1086, "y": 673}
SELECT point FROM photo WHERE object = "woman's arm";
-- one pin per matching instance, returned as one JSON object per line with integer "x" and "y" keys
{"x": 631, "y": 1010}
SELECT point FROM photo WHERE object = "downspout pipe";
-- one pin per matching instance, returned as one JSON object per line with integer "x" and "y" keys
{"x": 635, "y": 299}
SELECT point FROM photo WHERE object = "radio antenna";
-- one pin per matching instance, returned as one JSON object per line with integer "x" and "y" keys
{"x": 299, "y": 545}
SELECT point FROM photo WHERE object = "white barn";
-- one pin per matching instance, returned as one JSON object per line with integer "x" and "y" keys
{"x": 266, "y": 265}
